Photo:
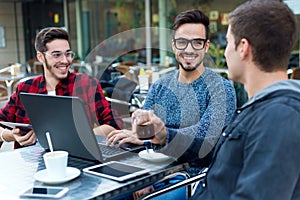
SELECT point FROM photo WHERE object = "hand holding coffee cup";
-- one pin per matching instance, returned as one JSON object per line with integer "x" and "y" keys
{"x": 143, "y": 126}
{"x": 149, "y": 125}
{"x": 145, "y": 131}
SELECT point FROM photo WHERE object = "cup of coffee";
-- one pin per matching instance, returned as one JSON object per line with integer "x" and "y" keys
{"x": 56, "y": 164}
{"x": 145, "y": 131}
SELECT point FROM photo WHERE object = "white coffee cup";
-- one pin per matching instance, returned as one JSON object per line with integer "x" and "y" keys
{"x": 56, "y": 164}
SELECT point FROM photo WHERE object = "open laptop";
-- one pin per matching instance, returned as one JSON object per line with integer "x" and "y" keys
{"x": 65, "y": 118}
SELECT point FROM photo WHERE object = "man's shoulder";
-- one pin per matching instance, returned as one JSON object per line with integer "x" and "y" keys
{"x": 32, "y": 79}
{"x": 30, "y": 83}
{"x": 216, "y": 77}
{"x": 167, "y": 78}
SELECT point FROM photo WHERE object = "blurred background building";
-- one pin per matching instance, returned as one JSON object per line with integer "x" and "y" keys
{"x": 108, "y": 32}
{"x": 91, "y": 22}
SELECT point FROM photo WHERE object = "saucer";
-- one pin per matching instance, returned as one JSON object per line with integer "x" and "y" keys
{"x": 43, "y": 177}
{"x": 153, "y": 156}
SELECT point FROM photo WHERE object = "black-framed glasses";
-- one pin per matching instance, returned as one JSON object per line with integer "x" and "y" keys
{"x": 58, "y": 55}
{"x": 182, "y": 43}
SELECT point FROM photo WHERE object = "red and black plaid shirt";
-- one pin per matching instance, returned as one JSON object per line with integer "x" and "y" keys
{"x": 80, "y": 85}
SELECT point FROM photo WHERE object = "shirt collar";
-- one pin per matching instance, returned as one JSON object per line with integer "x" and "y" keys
{"x": 62, "y": 84}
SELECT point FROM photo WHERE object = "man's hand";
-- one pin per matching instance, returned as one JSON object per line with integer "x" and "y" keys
{"x": 123, "y": 136}
{"x": 140, "y": 117}
{"x": 24, "y": 140}
{"x": 103, "y": 130}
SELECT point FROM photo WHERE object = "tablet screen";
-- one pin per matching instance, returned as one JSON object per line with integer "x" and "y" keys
{"x": 116, "y": 170}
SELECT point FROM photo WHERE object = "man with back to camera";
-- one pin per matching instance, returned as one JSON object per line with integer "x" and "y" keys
{"x": 257, "y": 155}
{"x": 53, "y": 50}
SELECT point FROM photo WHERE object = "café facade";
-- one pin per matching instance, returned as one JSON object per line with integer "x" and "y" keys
{"x": 117, "y": 23}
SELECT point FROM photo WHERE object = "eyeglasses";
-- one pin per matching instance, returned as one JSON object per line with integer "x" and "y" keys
{"x": 182, "y": 43}
{"x": 58, "y": 55}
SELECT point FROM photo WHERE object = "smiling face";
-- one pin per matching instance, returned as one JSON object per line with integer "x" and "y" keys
{"x": 56, "y": 67}
{"x": 189, "y": 58}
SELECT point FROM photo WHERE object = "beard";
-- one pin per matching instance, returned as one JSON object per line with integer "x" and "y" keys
{"x": 189, "y": 69}
{"x": 50, "y": 69}
{"x": 192, "y": 68}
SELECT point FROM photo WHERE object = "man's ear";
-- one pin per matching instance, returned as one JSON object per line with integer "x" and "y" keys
{"x": 173, "y": 46}
{"x": 244, "y": 48}
{"x": 40, "y": 57}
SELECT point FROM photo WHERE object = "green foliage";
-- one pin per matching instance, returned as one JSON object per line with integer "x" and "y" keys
{"x": 217, "y": 54}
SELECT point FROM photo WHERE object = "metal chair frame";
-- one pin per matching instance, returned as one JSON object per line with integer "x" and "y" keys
{"x": 188, "y": 183}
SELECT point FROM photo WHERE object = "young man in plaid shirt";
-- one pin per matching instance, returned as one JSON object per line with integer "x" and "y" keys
{"x": 53, "y": 50}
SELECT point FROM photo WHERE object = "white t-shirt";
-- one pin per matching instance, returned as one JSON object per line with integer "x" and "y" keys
{"x": 53, "y": 93}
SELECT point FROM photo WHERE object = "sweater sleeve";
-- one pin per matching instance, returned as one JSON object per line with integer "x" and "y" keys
{"x": 198, "y": 140}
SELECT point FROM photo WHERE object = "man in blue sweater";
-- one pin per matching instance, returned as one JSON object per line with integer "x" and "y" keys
{"x": 194, "y": 101}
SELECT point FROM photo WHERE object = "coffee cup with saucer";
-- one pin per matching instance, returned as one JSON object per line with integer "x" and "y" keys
{"x": 56, "y": 169}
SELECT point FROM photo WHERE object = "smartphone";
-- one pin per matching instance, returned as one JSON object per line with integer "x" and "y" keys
{"x": 116, "y": 171}
{"x": 25, "y": 128}
{"x": 45, "y": 192}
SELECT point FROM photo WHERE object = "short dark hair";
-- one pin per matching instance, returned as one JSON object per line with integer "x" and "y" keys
{"x": 191, "y": 16}
{"x": 270, "y": 27}
{"x": 47, "y": 35}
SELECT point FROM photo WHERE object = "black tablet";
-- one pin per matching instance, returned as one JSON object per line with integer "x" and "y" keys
{"x": 116, "y": 170}
{"x": 25, "y": 128}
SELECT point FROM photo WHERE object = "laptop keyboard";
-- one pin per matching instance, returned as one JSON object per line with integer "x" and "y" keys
{"x": 110, "y": 150}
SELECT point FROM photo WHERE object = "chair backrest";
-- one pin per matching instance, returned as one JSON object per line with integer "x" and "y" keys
{"x": 83, "y": 68}
{"x": 37, "y": 67}
{"x": 3, "y": 92}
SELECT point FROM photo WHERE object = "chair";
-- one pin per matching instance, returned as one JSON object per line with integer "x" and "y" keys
{"x": 187, "y": 185}
{"x": 38, "y": 67}
{"x": 119, "y": 92}
{"x": 3, "y": 89}
{"x": 3, "y": 92}
{"x": 81, "y": 68}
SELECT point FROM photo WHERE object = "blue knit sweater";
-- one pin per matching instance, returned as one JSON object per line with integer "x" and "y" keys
{"x": 192, "y": 110}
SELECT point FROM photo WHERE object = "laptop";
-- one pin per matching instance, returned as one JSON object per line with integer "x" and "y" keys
{"x": 65, "y": 118}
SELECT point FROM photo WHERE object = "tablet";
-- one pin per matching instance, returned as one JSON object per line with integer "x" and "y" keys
{"x": 24, "y": 127}
{"x": 116, "y": 171}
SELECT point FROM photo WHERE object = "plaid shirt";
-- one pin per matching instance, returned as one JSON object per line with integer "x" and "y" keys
{"x": 80, "y": 85}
